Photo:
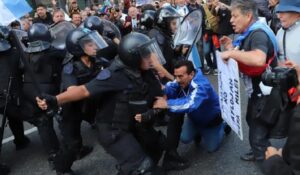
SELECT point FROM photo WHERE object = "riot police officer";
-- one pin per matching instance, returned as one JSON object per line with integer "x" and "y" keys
{"x": 41, "y": 75}
{"x": 111, "y": 51}
{"x": 10, "y": 87}
{"x": 11, "y": 74}
{"x": 124, "y": 93}
{"x": 166, "y": 22}
{"x": 82, "y": 67}
{"x": 147, "y": 21}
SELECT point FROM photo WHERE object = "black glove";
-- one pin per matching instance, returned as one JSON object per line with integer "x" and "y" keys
{"x": 111, "y": 35}
{"x": 52, "y": 104}
{"x": 150, "y": 114}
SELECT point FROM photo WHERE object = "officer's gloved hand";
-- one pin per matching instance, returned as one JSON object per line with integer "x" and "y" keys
{"x": 111, "y": 35}
{"x": 52, "y": 104}
{"x": 149, "y": 115}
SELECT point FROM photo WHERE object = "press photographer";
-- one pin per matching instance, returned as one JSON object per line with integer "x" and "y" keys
{"x": 286, "y": 161}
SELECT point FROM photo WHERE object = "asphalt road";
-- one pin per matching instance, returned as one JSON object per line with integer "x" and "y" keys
{"x": 33, "y": 159}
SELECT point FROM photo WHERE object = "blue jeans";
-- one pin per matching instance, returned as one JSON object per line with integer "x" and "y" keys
{"x": 211, "y": 138}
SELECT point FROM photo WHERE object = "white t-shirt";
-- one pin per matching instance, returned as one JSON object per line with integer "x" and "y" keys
{"x": 292, "y": 41}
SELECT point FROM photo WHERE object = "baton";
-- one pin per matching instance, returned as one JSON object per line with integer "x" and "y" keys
{"x": 4, "y": 117}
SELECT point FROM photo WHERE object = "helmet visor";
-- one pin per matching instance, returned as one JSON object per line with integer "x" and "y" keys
{"x": 152, "y": 50}
{"x": 92, "y": 42}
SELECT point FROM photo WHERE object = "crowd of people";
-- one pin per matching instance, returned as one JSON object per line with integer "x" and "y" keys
{"x": 117, "y": 68}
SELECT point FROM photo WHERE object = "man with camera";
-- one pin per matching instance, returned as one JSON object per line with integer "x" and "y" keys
{"x": 286, "y": 161}
{"x": 254, "y": 50}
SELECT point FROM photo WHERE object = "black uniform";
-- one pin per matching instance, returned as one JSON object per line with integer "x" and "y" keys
{"x": 42, "y": 69}
{"x": 47, "y": 67}
{"x": 9, "y": 66}
{"x": 75, "y": 73}
{"x": 123, "y": 89}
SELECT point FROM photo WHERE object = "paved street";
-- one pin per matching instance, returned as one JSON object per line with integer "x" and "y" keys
{"x": 33, "y": 160}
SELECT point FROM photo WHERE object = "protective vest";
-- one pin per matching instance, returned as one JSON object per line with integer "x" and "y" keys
{"x": 130, "y": 102}
{"x": 120, "y": 107}
{"x": 46, "y": 67}
{"x": 83, "y": 73}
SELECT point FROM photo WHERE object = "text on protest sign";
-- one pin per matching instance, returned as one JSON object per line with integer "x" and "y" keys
{"x": 229, "y": 94}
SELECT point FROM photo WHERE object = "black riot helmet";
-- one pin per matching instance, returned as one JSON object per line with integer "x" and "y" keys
{"x": 147, "y": 18}
{"x": 39, "y": 38}
{"x": 164, "y": 17}
{"x": 4, "y": 35}
{"x": 136, "y": 46}
{"x": 78, "y": 39}
{"x": 94, "y": 23}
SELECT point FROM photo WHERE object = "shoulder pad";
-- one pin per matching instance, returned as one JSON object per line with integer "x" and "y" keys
{"x": 104, "y": 75}
{"x": 68, "y": 68}
{"x": 68, "y": 58}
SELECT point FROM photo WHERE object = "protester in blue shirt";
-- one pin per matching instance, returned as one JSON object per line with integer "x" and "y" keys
{"x": 192, "y": 94}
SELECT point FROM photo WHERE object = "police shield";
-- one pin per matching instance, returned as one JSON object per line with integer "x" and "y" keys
{"x": 23, "y": 37}
{"x": 110, "y": 27}
{"x": 59, "y": 32}
{"x": 189, "y": 30}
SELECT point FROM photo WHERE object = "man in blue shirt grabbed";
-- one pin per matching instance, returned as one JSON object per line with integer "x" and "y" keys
{"x": 192, "y": 94}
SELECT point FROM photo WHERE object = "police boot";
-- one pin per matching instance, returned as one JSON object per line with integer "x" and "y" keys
{"x": 84, "y": 151}
{"x": 4, "y": 169}
{"x": 173, "y": 161}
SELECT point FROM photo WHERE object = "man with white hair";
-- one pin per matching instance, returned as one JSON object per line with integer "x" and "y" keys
{"x": 288, "y": 12}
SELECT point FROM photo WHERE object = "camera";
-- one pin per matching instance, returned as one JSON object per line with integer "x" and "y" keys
{"x": 281, "y": 77}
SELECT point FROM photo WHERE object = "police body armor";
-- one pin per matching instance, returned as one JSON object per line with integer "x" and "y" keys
{"x": 127, "y": 103}
{"x": 83, "y": 75}
{"x": 46, "y": 66}
{"x": 130, "y": 102}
